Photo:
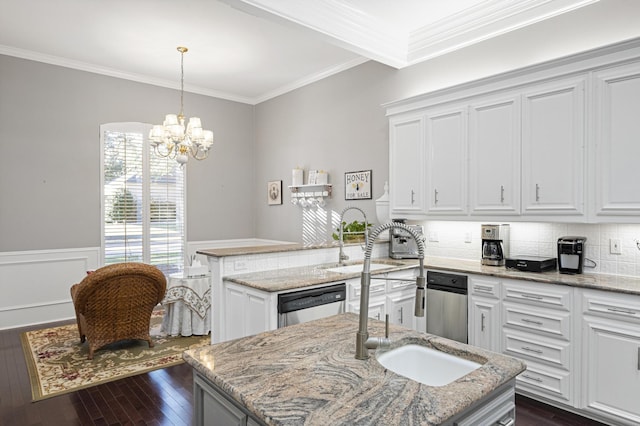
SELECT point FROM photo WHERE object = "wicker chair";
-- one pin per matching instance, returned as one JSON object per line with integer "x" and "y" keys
{"x": 115, "y": 303}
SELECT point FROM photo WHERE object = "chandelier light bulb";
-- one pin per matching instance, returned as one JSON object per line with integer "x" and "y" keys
{"x": 173, "y": 140}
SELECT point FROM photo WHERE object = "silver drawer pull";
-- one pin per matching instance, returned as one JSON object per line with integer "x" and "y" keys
{"x": 535, "y": 379}
{"x": 531, "y": 321}
{"x": 622, "y": 311}
{"x": 484, "y": 288}
{"x": 537, "y": 351}
{"x": 532, "y": 296}
{"x": 507, "y": 422}
{"x": 638, "y": 359}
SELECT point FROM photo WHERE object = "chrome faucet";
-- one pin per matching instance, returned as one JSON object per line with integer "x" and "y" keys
{"x": 342, "y": 256}
{"x": 363, "y": 341}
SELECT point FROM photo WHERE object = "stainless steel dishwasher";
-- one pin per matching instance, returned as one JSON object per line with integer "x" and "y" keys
{"x": 310, "y": 304}
{"x": 447, "y": 305}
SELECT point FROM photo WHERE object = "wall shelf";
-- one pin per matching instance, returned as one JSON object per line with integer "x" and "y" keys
{"x": 310, "y": 195}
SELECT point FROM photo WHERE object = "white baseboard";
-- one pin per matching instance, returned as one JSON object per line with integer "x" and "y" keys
{"x": 35, "y": 284}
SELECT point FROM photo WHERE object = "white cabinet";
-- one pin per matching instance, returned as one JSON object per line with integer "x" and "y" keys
{"x": 377, "y": 298}
{"x": 617, "y": 149}
{"x": 400, "y": 299}
{"x": 407, "y": 165}
{"x": 247, "y": 311}
{"x": 392, "y": 293}
{"x": 446, "y": 142}
{"x": 611, "y": 348}
{"x": 485, "y": 328}
{"x": 538, "y": 328}
{"x": 553, "y": 148}
{"x": 494, "y": 155}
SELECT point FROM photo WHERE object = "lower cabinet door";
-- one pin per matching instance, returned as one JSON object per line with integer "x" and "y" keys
{"x": 484, "y": 323}
{"x": 611, "y": 379}
{"x": 212, "y": 408}
{"x": 400, "y": 307}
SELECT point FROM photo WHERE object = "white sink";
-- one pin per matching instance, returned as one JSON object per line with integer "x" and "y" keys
{"x": 425, "y": 365}
{"x": 350, "y": 269}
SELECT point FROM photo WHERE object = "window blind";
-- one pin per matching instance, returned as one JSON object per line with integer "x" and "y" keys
{"x": 143, "y": 200}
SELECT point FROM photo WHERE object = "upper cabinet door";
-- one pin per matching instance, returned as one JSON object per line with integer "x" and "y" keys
{"x": 494, "y": 156}
{"x": 617, "y": 141}
{"x": 406, "y": 165}
{"x": 553, "y": 148}
{"x": 447, "y": 161}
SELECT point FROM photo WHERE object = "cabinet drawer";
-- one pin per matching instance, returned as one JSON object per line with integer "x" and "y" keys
{"x": 376, "y": 288}
{"x": 543, "y": 321}
{"x": 485, "y": 288}
{"x": 546, "y": 382}
{"x": 625, "y": 307}
{"x": 398, "y": 283}
{"x": 547, "y": 351}
{"x": 544, "y": 295}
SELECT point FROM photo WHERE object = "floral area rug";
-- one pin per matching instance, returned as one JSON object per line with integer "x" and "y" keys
{"x": 58, "y": 364}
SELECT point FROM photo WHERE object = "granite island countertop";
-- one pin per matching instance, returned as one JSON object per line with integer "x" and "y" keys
{"x": 308, "y": 374}
{"x": 293, "y": 278}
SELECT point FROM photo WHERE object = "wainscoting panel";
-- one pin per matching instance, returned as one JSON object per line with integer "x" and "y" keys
{"x": 35, "y": 284}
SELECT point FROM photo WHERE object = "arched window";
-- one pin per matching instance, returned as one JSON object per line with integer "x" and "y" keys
{"x": 143, "y": 200}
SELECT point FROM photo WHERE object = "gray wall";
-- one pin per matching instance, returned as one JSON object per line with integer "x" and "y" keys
{"x": 338, "y": 124}
{"x": 50, "y": 155}
{"x": 50, "y": 117}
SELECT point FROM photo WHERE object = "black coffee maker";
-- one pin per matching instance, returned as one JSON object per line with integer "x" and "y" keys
{"x": 571, "y": 254}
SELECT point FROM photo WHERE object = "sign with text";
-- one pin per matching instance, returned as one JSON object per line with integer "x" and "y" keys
{"x": 357, "y": 185}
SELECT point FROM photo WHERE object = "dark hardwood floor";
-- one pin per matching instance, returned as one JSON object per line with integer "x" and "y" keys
{"x": 161, "y": 397}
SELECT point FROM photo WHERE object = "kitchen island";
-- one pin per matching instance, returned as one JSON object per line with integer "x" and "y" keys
{"x": 308, "y": 374}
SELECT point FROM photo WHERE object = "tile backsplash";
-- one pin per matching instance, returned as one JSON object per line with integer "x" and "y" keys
{"x": 461, "y": 240}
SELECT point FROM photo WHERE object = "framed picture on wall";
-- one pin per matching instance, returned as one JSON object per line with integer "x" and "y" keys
{"x": 274, "y": 192}
{"x": 357, "y": 185}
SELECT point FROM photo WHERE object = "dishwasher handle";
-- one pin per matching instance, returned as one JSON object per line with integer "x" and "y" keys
{"x": 446, "y": 288}
{"x": 304, "y": 299}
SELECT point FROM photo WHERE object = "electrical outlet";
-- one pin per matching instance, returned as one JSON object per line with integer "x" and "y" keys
{"x": 614, "y": 246}
{"x": 467, "y": 237}
{"x": 433, "y": 237}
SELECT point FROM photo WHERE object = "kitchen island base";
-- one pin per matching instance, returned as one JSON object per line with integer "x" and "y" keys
{"x": 213, "y": 406}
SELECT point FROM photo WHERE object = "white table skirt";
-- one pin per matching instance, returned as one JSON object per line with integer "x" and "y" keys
{"x": 187, "y": 306}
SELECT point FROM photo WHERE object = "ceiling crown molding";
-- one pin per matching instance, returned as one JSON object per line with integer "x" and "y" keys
{"x": 481, "y": 22}
{"x": 337, "y": 22}
{"x": 111, "y": 72}
{"x": 372, "y": 37}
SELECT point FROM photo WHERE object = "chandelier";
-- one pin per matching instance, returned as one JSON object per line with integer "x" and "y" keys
{"x": 173, "y": 140}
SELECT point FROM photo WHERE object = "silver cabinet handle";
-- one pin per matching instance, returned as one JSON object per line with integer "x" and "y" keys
{"x": 622, "y": 311}
{"x": 482, "y": 322}
{"x": 532, "y": 296}
{"x": 535, "y": 379}
{"x": 639, "y": 359}
{"x": 537, "y": 192}
{"x": 531, "y": 321}
{"x": 484, "y": 288}
{"x": 535, "y": 351}
{"x": 378, "y": 316}
{"x": 507, "y": 422}
{"x": 435, "y": 196}
{"x": 401, "y": 315}
{"x": 502, "y": 193}
{"x": 413, "y": 200}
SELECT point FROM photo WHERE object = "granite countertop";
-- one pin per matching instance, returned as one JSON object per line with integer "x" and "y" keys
{"x": 308, "y": 374}
{"x": 306, "y": 276}
{"x": 293, "y": 278}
